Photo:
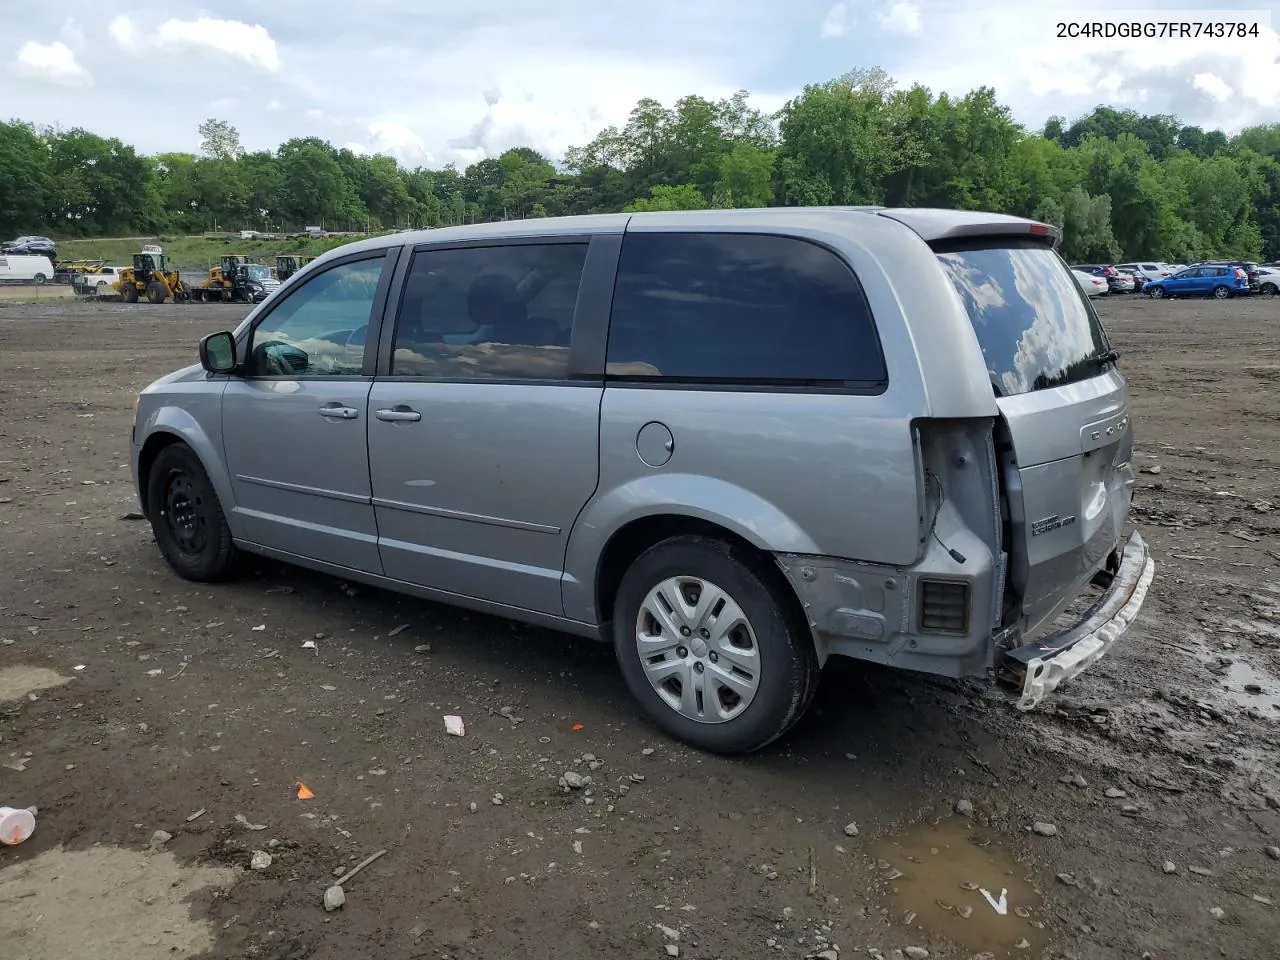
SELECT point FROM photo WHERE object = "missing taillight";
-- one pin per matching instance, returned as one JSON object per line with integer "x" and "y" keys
{"x": 944, "y": 606}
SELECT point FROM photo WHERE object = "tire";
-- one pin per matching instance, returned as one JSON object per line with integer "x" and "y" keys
{"x": 187, "y": 519}
{"x": 1269, "y": 289}
{"x": 41, "y": 279}
{"x": 1155, "y": 293}
{"x": 1221, "y": 293}
{"x": 772, "y": 644}
{"x": 156, "y": 292}
{"x": 130, "y": 293}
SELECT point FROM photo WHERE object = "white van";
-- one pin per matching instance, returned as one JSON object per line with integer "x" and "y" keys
{"x": 23, "y": 268}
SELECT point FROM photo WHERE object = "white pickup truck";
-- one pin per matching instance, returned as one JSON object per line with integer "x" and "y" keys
{"x": 100, "y": 284}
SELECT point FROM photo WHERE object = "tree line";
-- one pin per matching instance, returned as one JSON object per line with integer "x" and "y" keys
{"x": 1122, "y": 185}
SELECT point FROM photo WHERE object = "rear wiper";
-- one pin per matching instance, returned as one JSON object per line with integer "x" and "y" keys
{"x": 1111, "y": 356}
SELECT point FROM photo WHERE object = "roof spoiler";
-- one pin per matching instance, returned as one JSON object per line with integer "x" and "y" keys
{"x": 936, "y": 225}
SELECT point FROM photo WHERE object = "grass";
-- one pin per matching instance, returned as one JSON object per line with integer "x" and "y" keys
{"x": 196, "y": 253}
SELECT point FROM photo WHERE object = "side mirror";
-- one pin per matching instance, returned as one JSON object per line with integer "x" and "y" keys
{"x": 218, "y": 352}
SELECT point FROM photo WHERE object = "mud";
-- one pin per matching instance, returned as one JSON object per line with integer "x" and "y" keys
{"x": 203, "y": 699}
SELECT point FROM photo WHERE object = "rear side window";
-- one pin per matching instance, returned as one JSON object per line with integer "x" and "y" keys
{"x": 1035, "y": 325}
{"x": 747, "y": 309}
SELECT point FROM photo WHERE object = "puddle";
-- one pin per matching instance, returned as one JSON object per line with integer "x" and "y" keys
{"x": 1250, "y": 687}
{"x": 945, "y": 866}
{"x": 105, "y": 903}
{"x": 17, "y": 682}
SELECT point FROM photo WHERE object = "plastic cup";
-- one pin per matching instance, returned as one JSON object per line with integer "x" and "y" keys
{"x": 16, "y": 825}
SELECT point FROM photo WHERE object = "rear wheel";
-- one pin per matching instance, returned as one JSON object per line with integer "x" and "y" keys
{"x": 1221, "y": 293}
{"x": 157, "y": 292}
{"x": 186, "y": 517}
{"x": 709, "y": 643}
{"x": 41, "y": 279}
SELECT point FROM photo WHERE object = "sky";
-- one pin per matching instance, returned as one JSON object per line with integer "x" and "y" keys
{"x": 432, "y": 83}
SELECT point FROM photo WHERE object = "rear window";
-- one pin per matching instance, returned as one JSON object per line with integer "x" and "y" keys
{"x": 1035, "y": 325}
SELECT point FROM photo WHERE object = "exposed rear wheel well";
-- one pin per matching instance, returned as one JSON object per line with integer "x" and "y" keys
{"x": 639, "y": 535}
{"x": 150, "y": 450}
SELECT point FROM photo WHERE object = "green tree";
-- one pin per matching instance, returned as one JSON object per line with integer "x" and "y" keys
{"x": 25, "y": 180}
{"x": 219, "y": 140}
{"x": 684, "y": 197}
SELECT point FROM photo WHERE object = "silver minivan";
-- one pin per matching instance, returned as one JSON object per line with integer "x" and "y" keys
{"x": 734, "y": 443}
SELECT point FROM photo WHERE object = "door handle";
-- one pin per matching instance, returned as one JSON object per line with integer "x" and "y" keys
{"x": 398, "y": 415}
{"x": 339, "y": 413}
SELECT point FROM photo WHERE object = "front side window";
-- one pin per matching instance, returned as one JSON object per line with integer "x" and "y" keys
{"x": 1036, "y": 327}
{"x": 740, "y": 309}
{"x": 319, "y": 329}
{"x": 489, "y": 313}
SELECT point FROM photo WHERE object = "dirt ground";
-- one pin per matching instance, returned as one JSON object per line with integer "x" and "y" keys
{"x": 134, "y": 702}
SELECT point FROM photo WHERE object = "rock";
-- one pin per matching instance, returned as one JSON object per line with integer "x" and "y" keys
{"x": 334, "y": 898}
{"x": 260, "y": 860}
{"x": 1273, "y": 802}
{"x": 339, "y": 871}
{"x": 422, "y": 648}
{"x": 964, "y": 912}
{"x": 851, "y": 829}
{"x": 673, "y": 950}
{"x": 1201, "y": 871}
{"x": 159, "y": 839}
{"x": 498, "y": 799}
{"x": 1067, "y": 879}
{"x": 917, "y": 953}
{"x": 824, "y": 955}
{"x": 474, "y": 806}
{"x": 1273, "y": 853}
{"x": 1169, "y": 867}
{"x": 647, "y": 751}
{"x": 1129, "y": 810}
{"x": 671, "y": 933}
{"x": 1044, "y": 829}
{"x": 1217, "y": 913}
{"x": 1115, "y": 793}
{"x": 1075, "y": 780}
{"x": 574, "y": 781}
{"x": 964, "y": 808}
{"x": 1154, "y": 470}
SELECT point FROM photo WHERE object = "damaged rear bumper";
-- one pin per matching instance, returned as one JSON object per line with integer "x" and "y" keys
{"x": 1044, "y": 665}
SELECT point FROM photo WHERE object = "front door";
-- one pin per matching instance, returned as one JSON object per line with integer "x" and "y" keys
{"x": 294, "y": 424}
{"x": 482, "y": 443}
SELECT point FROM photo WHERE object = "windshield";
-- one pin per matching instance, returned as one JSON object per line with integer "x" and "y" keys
{"x": 1034, "y": 323}
{"x": 258, "y": 271}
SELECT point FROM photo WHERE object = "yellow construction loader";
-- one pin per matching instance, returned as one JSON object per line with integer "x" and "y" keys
{"x": 151, "y": 276}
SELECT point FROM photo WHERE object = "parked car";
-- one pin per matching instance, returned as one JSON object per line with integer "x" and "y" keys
{"x": 1135, "y": 276}
{"x": 1148, "y": 271}
{"x": 25, "y": 268}
{"x": 102, "y": 283}
{"x": 30, "y": 246}
{"x": 1268, "y": 281}
{"x": 1248, "y": 266}
{"x": 1091, "y": 284}
{"x": 1117, "y": 282}
{"x": 1211, "y": 281}
{"x": 732, "y": 443}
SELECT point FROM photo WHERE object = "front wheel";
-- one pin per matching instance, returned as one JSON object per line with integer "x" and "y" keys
{"x": 186, "y": 517}
{"x": 1221, "y": 293}
{"x": 1155, "y": 293}
{"x": 710, "y": 644}
{"x": 157, "y": 292}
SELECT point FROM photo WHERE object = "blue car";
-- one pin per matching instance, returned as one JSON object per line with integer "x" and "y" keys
{"x": 1214, "y": 281}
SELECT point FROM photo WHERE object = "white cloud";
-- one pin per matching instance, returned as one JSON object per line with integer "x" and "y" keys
{"x": 1213, "y": 85}
{"x": 72, "y": 33}
{"x": 228, "y": 39}
{"x": 903, "y": 17}
{"x": 835, "y": 23}
{"x": 54, "y": 63}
